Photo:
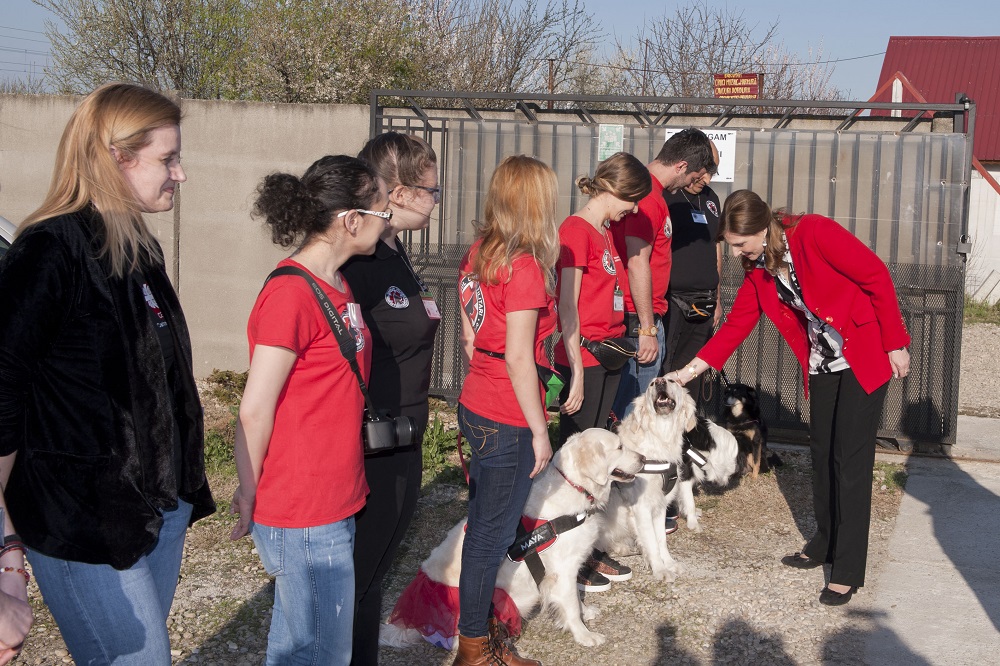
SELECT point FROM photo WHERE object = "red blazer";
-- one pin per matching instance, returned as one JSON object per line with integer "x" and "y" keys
{"x": 843, "y": 283}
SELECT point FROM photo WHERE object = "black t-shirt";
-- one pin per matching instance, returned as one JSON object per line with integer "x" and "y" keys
{"x": 387, "y": 289}
{"x": 695, "y": 219}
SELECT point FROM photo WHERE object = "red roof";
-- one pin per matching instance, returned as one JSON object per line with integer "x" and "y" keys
{"x": 939, "y": 67}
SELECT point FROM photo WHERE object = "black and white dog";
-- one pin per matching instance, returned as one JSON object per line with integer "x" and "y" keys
{"x": 744, "y": 421}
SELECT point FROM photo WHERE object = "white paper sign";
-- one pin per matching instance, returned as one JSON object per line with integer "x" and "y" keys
{"x": 725, "y": 143}
{"x": 610, "y": 140}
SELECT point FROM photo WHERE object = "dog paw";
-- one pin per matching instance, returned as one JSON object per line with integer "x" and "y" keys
{"x": 588, "y": 612}
{"x": 694, "y": 526}
{"x": 665, "y": 575}
{"x": 589, "y": 639}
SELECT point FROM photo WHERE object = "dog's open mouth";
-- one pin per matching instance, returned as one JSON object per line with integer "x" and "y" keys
{"x": 621, "y": 475}
{"x": 663, "y": 402}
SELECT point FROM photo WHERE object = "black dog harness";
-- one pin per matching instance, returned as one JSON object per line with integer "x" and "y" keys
{"x": 528, "y": 544}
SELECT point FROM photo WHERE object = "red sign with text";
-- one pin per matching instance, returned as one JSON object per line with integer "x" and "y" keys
{"x": 738, "y": 86}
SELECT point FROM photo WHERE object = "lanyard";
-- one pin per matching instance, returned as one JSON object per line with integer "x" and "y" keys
{"x": 607, "y": 242}
{"x": 406, "y": 260}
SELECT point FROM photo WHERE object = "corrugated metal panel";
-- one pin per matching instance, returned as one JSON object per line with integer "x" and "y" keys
{"x": 939, "y": 67}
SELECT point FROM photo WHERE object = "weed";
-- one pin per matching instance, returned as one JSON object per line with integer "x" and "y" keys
{"x": 439, "y": 443}
{"x": 228, "y": 386}
{"x": 979, "y": 312}
{"x": 891, "y": 475}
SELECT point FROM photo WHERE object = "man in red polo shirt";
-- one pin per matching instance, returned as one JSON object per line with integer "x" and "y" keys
{"x": 643, "y": 240}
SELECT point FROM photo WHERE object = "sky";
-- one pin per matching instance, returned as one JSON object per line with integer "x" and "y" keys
{"x": 853, "y": 32}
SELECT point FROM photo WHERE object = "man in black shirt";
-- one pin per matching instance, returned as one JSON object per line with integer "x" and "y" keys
{"x": 694, "y": 281}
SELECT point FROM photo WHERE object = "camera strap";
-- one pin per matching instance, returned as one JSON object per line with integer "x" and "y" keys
{"x": 346, "y": 342}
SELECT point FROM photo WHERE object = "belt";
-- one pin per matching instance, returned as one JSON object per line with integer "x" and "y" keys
{"x": 632, "y": 324}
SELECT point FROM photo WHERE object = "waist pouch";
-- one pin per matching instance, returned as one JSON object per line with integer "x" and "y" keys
{"x": 694, "y": 306}
{"x": 632, "y": 324}
{"x": 612, "y": 353}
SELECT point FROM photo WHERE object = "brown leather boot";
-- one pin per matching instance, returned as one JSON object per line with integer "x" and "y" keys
{"x": 476, "y": 652}
{"x": 503, "y": 647}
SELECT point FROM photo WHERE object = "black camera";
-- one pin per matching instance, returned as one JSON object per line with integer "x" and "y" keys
{"x": 384, "y": 433}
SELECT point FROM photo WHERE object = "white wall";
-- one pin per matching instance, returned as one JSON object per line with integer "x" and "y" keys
{"x": 984, "y": 227}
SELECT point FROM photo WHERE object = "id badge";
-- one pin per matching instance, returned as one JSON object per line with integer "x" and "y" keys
{"x": 430, "y": 305}
{"x": 354, "y": 314}
{"x": 619, "y": 301}
{"x": 698, "y": 217}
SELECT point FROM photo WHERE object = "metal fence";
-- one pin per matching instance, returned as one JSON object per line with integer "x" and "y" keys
{"x": 899, "y": 184}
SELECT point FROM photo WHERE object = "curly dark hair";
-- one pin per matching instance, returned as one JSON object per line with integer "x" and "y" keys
{"x": 296, "y": 209}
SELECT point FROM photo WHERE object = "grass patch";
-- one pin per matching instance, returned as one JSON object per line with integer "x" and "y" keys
{"x": 891, "y": 475}
{"x": 228, "y": 386}
{"x": 978, "y": 312}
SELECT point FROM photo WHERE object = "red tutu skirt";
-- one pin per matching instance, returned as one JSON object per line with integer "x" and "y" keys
{"x": 431, "y": 608}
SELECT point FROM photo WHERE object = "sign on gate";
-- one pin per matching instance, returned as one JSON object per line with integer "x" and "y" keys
{"x": 725, "y": 143}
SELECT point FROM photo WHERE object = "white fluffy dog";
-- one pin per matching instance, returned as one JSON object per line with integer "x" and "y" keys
{"x": 660, "y": 420}
{"x": 577, "y": 481}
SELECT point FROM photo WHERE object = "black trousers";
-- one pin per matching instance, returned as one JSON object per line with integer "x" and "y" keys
{"x": 599, "y": 389}
{"x": 843, "y": 424}
{"x": 394, "y": 482}
{"x": 684, "y": 340}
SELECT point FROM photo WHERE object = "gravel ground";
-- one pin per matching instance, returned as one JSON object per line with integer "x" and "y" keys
{"x": 734, "y": 603}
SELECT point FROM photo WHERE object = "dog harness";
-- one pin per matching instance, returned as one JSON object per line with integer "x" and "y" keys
{"x": 535, "y": 534}
{"x": 669, "y": 470}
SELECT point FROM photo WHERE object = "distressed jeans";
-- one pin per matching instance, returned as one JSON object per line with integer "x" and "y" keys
{"x": 313, "y": 568}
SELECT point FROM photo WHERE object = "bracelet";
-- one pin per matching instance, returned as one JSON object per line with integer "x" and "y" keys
{"x": 651, "y": 331}
{"x": 690, "y": 368}
{"x": 12, "y": 546}
{"x": 27, "y": 576}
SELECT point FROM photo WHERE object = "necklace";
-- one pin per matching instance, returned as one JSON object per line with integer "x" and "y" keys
{"x": 691, "y": 203}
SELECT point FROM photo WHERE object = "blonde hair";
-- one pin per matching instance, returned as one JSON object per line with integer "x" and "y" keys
{"x": 121, "y": 115}
{"x": 622, "y": 176}
{"x": 746, "y": 214}
{"x": 519, "y": 217}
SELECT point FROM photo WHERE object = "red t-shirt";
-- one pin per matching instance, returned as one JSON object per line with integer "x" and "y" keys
{"x": 313, "y": 471}
{"x": 583, "y": 246}
{"x": 487, "y": 390}
{"x": 651, "y": 223}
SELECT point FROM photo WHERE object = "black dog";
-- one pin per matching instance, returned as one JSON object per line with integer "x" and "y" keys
{"x": 744, "y": 421}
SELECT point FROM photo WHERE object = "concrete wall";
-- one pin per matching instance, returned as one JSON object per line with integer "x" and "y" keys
{"x": 216, "y": 255}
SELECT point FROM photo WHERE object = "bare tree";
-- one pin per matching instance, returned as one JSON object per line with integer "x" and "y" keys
{"x": 676, "y": 55}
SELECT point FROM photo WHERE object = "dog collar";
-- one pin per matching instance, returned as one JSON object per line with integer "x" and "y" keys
{"x": 579, "y": 488}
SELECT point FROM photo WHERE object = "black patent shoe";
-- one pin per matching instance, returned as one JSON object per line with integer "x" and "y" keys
{"x": 800, "y": 561}
{"x": 830, "y": 598}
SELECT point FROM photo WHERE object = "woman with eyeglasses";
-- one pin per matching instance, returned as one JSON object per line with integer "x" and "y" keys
{"x": 403, "y": 316}
{"x": 298, "y": 437}
{"x": 506, "y": 286}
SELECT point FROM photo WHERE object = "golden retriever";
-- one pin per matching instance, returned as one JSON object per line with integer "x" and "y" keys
{"x": 577, "y": 481}
{"x": 663, "y": 423}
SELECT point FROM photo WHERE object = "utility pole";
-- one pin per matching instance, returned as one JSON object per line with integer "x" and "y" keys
{"x": 645, "y": 65}
{"x": 552, "y": 79}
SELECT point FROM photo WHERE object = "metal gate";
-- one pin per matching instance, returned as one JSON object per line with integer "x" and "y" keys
{"x": 898, "y": 181}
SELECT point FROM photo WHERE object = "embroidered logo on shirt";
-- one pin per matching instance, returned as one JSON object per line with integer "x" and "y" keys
{"x": 608, "y": 262}
{"x": 152, "y": 305}
{"x": 712, "y": 208}
{"x": 471, "y": 295}
{"x": 668, "y": 228}
{"x": 395, "y": 297}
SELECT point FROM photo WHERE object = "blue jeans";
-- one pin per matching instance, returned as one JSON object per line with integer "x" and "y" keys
{"x": 637, "y": 376}
{"x": 107, "y": 616}
{"x": 499, "y": 481}
{"x": 313, "y": 568}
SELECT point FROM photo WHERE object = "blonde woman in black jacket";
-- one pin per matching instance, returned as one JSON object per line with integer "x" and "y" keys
{"x": 101, "y": 438}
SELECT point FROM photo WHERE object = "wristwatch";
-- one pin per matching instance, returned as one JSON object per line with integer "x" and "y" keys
{"x": 651, "y": 331}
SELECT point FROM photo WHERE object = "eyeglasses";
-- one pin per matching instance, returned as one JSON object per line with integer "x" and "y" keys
{"x": 434, "y": 191}
{"x": 385, "y": 215}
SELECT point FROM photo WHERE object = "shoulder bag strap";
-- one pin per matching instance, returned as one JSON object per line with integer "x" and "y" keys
{"x": 346, "y": 342}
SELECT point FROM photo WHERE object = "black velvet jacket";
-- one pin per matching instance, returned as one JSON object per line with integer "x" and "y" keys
{"x": 85, "y": 401}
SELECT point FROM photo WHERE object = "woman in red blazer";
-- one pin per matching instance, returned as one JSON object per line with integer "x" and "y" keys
{"x": 833, "y": 301}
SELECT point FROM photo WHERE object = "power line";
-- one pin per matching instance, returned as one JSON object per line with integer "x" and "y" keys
{"x": 23, "y": 39}
{"x": 10, "y": 50}
{"x": 26, "y": 64}
{"x": 764, "y": 66}
{"x": 10, "y": 27}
